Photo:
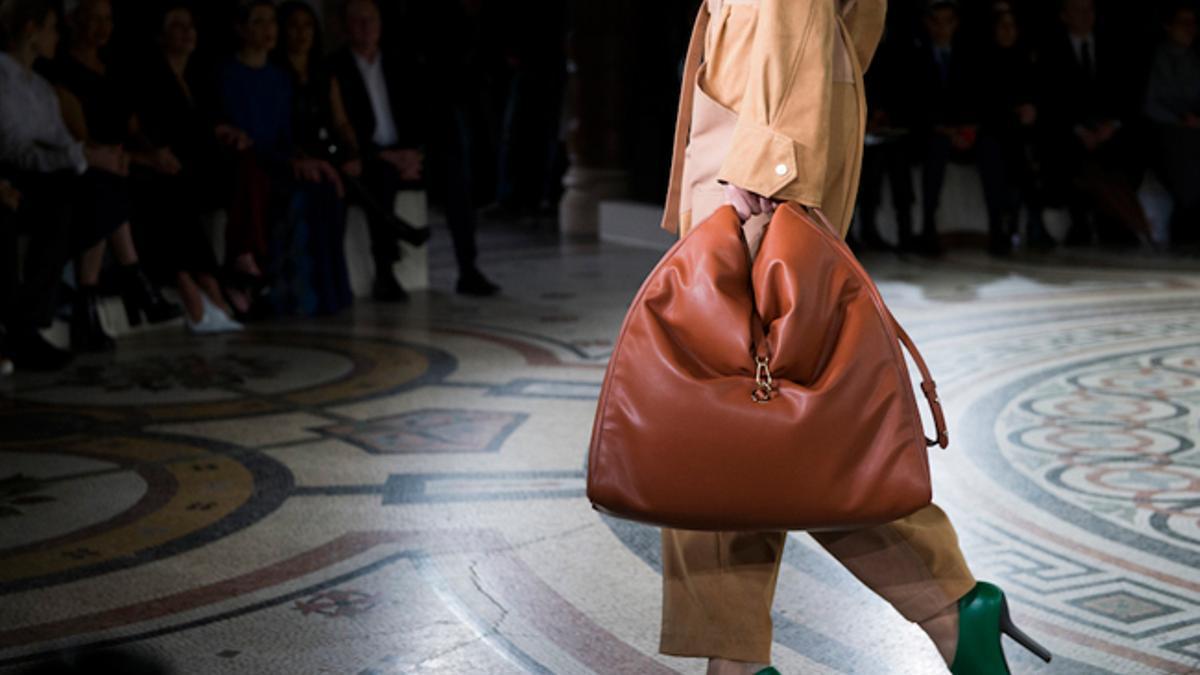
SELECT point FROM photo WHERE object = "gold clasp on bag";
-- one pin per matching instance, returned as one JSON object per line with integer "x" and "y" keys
{"x": 765, "y": 390}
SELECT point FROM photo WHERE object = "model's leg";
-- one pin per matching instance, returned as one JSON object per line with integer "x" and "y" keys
{"x": 717, "y": 593}
{"x": 901, "y": 181}
{"x": 122, "y": 244}
{"x": 212, "y": 288}
{"x": 1030, "y": 183}
{"x": 45, "y": 215}
{"x": 88, "y": 265}
{"x": 9, "y": 266}
{"x": 915, "y": 564}
{"x": 381, "y": 181}
{"x": 994, "y": 156}
{"x": 457, "y": 150}
{"x": 870, "y": 187}
{"x": 246, "y": 231}
{"x": 189, "y": 294}
{"x": 1109, "y": 179}
{"x": 933, "y": 175}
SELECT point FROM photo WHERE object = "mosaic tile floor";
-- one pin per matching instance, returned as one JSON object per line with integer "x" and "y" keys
{"x": 401, "y": 490}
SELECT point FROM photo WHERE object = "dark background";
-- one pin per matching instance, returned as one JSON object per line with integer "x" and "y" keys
{"x": 512, "y": 56}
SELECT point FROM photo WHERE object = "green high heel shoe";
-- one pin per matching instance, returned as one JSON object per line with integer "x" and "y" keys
{"x": 982, "y": 617}
{"x": 769, "y": 670}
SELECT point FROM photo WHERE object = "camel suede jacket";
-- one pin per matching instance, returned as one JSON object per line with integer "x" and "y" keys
{"x": 769, "y": 66}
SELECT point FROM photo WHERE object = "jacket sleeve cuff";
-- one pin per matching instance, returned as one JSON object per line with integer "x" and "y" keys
{"x": 772, "y": 165}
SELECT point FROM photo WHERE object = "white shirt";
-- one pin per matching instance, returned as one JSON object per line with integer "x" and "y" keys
{"x": 1077, "y": 42}
{"x": 33, "y": 136}
{"x": 372, "y": 75}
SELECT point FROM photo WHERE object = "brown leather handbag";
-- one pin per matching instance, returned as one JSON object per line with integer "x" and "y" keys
{"x": 763, "y": 392}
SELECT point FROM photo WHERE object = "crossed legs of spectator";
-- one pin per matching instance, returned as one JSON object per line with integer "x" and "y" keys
{"x": 1103, "y": 199}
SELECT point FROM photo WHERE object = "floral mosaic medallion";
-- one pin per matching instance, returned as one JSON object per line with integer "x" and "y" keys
{"x": 1116, "y": 438}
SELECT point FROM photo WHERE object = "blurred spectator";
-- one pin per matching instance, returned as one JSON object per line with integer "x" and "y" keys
{"x": 1087, "y": 123}
{"x": 534, "y": 63}
{"x": 377, "y": 86}
{"x": 172, "y": 193}
{"x": 47, "y": 166}
{"x": 98, "y": 109}
{"x": 256, "y": 111}
{"x": 886, "y": 152}
{"x": 946, "y": 115}
{"x": 457, "y": 85}
{"x": 10, "y": 201}
{"x": 393, "y": 125}
{"x": 1009, "y": 165}
{"x": 1173, "y": 106}
{"x": 323, "y": 136}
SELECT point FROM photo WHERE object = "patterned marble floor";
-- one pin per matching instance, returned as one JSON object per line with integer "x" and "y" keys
{"x": 401, "y": 489}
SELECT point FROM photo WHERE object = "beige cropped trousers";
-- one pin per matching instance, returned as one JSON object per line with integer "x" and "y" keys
{"x": 718, "y": 587}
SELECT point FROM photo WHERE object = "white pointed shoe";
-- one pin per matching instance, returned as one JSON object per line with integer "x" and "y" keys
{"x": 214, "y": 320}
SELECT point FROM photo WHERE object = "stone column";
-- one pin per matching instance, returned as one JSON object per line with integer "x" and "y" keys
{"x": 598, "y": 65}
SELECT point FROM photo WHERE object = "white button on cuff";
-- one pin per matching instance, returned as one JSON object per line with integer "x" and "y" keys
{"x": 781, "y": 169}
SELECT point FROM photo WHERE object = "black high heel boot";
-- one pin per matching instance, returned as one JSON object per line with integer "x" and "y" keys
{"x": 140, "y": 295}
{"x": 87, "y": 334}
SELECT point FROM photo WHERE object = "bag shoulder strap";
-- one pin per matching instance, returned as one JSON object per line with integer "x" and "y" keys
{"x": 927, "y": 385}
{"x": 683, "y": 119}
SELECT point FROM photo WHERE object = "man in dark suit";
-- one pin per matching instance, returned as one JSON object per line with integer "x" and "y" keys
{"x": 1086, "y": 110}
{"x": 944, "y": 113}
{"x": 384, "y": 96}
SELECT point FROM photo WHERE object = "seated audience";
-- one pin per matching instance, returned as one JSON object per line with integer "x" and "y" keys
{"x": 57, "y": 176}
{"x": 945, "y": 119}
{"x": 1009, "y": 166}
{"x": 391, "y": 130}
{"x": 1090, "y": 148}
{"x": 171, "y": 194}
{"x": 322, "y": 136}
{"x": 98, "y": 109}
{"x": 1173, "y": 106}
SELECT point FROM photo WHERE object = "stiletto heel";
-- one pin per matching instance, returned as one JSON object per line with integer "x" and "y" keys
{"x": 1010, "y": 629}
{"x": 982, "y": 618}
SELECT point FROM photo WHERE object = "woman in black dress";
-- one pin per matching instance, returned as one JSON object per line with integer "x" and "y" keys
{"x": 169, "y": 199}
{"x": 323, "y": 139}
{"x": 98, "y": 109}
{"x": 1009, "y": 160}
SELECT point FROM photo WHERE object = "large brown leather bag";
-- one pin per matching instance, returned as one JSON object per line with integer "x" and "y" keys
{"x": 763, "y": 392}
